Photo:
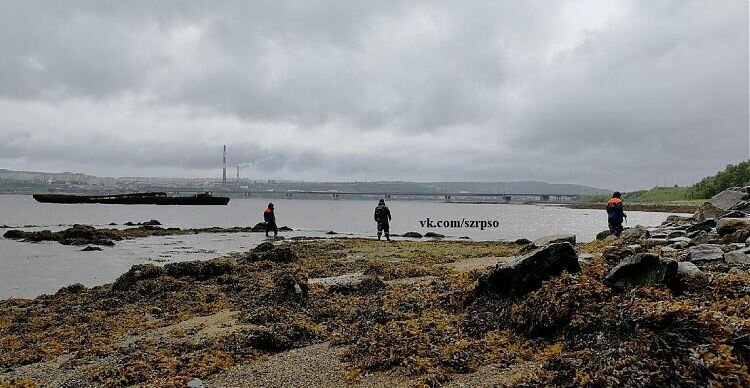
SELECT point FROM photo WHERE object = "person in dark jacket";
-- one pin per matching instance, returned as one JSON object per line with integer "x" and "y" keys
{"x": 615, "y": 214}
{"x": 270, "y": 219}
{"x": 383, "y": 217}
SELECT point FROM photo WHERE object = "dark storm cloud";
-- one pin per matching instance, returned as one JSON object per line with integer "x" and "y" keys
{"x": 614, "y": 94}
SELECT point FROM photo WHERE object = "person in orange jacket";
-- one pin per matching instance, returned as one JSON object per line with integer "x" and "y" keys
{"x": 270, "y": 219}
{"x": 615, "y": 214}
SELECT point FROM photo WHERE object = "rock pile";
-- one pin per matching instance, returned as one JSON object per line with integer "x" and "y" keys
{"x": 716, "y": 237}
{"x": 270, "y": 252}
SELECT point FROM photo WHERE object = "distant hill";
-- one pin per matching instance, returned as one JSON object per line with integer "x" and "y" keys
{"x": 145, "y": 183}
{"x": 38, "y": 175}
{"x": 527, "y": 187}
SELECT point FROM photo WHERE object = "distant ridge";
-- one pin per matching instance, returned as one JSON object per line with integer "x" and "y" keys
{"x": 518, "y": 187}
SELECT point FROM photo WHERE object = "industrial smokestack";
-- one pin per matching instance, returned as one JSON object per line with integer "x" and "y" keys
{"x": 238, "y": 172}
{"x": 224, "y": 170}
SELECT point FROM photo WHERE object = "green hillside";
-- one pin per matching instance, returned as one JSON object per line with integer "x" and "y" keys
{"x": 733, "y": 176}
{"x": 736, "y": 175}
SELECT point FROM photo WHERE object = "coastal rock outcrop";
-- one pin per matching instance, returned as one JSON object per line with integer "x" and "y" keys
{"x": 412, "y": 235}
{"x": 730, "y": 225}
{"x": 690, "y": 277}
{"x": 528, "y": 272}
{"x": 705, "y": 225}
{"x": 642, "y": 269}
{"x": 603, "y": 234}
{"x": 740, "y": 256}
{"x": 270, "y": 252}
{"x": 137, "y": 273}
{"x": 635, "y": 233}
{"x": 200, "y": 270}
{"x": 705, "y": 253}
{"x": 734, "y": 198}
{"x": 555, "y": 238}
{"x": 75, "y": 235}
{"x": 615, "y": 254}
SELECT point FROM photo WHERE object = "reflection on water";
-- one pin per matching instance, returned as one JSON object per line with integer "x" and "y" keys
{"x": 27, "y": 270}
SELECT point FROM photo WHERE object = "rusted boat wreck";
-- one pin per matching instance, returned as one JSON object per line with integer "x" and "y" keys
{"x": 156, "y": 198}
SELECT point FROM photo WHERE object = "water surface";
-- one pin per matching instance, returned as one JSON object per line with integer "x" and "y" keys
{"x": 27, "y": 270}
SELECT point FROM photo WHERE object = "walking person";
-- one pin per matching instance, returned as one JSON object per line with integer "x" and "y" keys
{"x": 270, "y": 219}
{"x": 383, "y": 217}
{"x": 615, "y": 214}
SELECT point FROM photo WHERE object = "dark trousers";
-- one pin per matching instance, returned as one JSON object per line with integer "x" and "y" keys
{"x": 383, "y": 227}
{"x": 271, "y": 226}
{"x": 616, "y": 229}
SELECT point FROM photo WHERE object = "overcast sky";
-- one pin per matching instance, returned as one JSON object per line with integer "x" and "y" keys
{"x": 614, "y": 94}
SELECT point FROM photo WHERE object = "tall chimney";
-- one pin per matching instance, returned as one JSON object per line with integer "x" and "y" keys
{"x": 238, "y": 172}
{"x": 224, "y": 170}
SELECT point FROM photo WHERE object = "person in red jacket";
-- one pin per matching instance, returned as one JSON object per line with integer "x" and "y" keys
{"x": 270, "y": 219}
{"x": 615, "y": 214}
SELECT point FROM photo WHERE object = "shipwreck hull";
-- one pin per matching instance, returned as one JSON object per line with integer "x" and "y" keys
{"x": 132, "y": 199}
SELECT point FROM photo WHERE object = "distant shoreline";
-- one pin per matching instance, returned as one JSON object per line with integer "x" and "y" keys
{"x": 688, "y": 208}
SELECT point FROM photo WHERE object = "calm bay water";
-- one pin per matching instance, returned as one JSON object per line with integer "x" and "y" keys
{"x": 27, "y": 270}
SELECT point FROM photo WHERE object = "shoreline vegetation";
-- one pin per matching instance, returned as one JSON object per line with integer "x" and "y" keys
{"x": 662, "y": 306}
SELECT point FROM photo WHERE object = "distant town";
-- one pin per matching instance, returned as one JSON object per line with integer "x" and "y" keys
{"x": 29, "y": 182}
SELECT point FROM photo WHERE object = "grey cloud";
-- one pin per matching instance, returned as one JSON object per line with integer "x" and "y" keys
{"x": 620, "y": 94}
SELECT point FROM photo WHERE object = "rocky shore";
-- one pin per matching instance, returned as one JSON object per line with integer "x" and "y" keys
{"x": 89, "y": 235}
{"x": 660, "y": 306}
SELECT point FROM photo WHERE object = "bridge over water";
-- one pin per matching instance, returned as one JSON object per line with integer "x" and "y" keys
{"x": 496, "y": 197}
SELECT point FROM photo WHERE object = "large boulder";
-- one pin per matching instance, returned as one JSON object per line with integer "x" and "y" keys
{"x": 555, "y": 238}
{"x": 635, "y": 233}
{"x": 655, "y": 242}
{"x": 704, "y": 254}
{"x": 690, "y": 277}
{"x": 741, "y": 206}
{"x": 739, "y": 256}
{"x": 729, "y": 225}
{"x": 705, "y": 238}
{"x": 614, "y": 254}
{"x": 707, "y": 211}
{"x": 642, "y": 269}
{"x": 527, "y": 273}
{"x": 675, "y": 220}
{"x": 675, "y": 233}
{"x": 603, "y": 234}
{"x": 270, "y": 252}
{"x": 729, "y": 198}
{"x": 136, "y": 273}
{"x": 705, "y": 225}
{"x": 739, "y": 236}
{"x": 734, "y": 214}
{"x": 680, "y": 239}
